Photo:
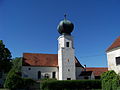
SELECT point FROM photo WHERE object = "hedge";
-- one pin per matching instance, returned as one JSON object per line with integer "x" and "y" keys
{"x": 71, "y": 85}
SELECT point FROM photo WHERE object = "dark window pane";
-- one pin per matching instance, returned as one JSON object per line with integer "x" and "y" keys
{"x": 39, "y": 75}
{"x": 68, "y": 78}
{"x": 53, "y": 74}
{"x": 117, "y": 60}
{"x": 67, "y": 44}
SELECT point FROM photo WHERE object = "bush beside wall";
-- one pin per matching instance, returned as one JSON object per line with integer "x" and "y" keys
{"x": 71, "y": 85}
{"x": 110, "y": 80}
{"x": 14, "y": 81}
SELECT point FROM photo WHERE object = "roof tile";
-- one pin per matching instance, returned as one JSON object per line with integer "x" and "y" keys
{"x": 115, "y": 44}
{"x": 51, "y": 60}
{"x": 96, "y": 70}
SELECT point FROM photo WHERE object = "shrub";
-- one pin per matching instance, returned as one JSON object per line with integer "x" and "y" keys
{"x": 14, "y": 81}
{"x": 71, "y": 85}
{"x": 48, "y": 79}
{"x": 27, "y": 82}
{"x": 110, "y": 80}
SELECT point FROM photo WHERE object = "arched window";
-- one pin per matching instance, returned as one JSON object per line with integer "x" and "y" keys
{"x": 53, "y": 74}
{"x": 39, "y": 74}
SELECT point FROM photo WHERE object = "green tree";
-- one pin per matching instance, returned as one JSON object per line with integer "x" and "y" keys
{"x": 5, "y": 58}
{"x": 17, "y": 64}
{"x": 15, "y": 82}
{"x": 110, "y": 80}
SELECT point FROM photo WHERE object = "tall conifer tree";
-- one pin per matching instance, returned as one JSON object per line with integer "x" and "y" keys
{"x": 5, "y": 58}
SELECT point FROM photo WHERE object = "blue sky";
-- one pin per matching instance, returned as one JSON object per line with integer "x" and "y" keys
{"x": 31, "y": 26}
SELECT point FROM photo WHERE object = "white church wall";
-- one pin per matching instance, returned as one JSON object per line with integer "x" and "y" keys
{"x": 66, "y": 58}
{"x": 32, "y": 72}
{"x": 68, "y": 66}
{"x": 111, "y": 57}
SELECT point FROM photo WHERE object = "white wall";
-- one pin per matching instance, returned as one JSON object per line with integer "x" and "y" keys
{"x": 111, "y": 57}
{"x": 33, "y": 73}
{"x": 44, "y": 70}
{"x": 65, "y": 53}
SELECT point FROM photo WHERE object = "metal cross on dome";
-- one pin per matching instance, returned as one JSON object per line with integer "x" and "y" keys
{"x": 65, "y": 16}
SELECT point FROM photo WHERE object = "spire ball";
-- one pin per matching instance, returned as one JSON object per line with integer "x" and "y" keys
{"x": 65, "y": 26}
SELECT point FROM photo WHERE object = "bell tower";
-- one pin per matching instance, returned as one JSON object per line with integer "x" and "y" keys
{"x": 66, "y": 58}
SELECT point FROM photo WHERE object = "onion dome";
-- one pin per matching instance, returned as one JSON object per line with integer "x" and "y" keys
{"x": 65, "y": 26}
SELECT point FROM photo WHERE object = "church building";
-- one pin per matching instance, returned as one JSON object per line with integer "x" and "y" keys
{"x": 62, "y": 66}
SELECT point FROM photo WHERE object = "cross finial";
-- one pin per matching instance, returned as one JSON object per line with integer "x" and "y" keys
{"x": 65, "y": 16}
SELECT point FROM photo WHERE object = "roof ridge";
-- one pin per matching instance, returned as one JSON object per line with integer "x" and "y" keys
{"x": 115, "y": 44}
{"x": 39, "y": 53}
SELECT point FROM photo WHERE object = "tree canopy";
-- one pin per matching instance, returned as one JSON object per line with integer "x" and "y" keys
{"x": 16, "y": 64}
{"x": 15, "y": 82}
{"x": 5, "y": 57}
{"x": 110, "y": 80}
{"x": 4, "y": 52}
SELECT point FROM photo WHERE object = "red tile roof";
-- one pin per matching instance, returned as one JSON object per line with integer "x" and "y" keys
{"x": 97, "y": 71}
{"x": 51, "y": 60}
{"x": 115, "y": 44}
